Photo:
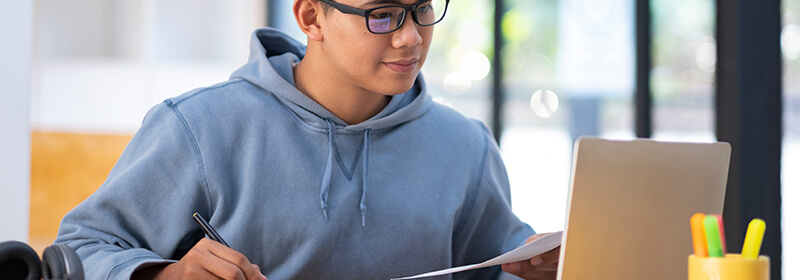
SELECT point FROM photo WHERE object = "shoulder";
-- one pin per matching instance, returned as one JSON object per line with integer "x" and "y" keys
{"x": 448, "y": 116}
{"x": 221, "y": 96}
{"x": 450, "y": 126}
{"x": 230, "y": 106}
{"x": 233, "y": 100}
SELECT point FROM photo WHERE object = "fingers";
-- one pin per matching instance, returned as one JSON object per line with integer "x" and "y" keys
{"x": 533, "y": 275}
{"x": 527, "y": 265}
{"x": 544, "y": 266}
{"x": 256, "y": 273}
{"x": 536, "y": 236}
{"x": 253, "y": 272}
{"x": 241, "y": 265}
{"x": 527, "y": 271}
{"x": 551, "y": 256}
{"x": 212, "y": 258}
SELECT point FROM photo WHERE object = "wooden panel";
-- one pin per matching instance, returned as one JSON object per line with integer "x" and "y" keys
{"x": 65, "y": 169}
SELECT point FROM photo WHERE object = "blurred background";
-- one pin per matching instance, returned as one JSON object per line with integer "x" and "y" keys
{"x": 79, "y": 75}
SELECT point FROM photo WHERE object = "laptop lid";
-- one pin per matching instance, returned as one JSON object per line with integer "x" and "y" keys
{"x": 630, "y": 203}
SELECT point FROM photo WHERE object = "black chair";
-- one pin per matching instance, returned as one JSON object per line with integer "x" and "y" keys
{"x": 18, "y": 261}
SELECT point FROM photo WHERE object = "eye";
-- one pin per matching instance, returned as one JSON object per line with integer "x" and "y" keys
{"x": 424, "y": 9}
{"x": 381, "y": 15}
{"x": 384, "y": 13}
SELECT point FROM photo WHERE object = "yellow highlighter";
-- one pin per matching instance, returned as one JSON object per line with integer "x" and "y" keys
{"x": 753, "y": 238}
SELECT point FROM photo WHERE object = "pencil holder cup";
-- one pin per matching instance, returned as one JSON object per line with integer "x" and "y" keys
{"x": 731, "y": 267}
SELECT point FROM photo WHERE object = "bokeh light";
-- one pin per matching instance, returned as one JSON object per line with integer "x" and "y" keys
{"x": 706, "y": 56}
{"x": 516, "y": 26}
{"x": 790, "y": 41}
{"x": 544, "y": 103}
{"x": 476, "y": 65}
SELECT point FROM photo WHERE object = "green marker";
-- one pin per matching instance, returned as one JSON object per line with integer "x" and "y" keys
{"x": 712, "y": 236}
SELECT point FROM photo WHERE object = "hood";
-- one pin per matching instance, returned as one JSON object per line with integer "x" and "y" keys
{"x": 272, "y": 54}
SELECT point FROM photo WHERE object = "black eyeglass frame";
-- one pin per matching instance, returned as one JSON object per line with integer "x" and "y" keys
{"x": 345, "y": 9}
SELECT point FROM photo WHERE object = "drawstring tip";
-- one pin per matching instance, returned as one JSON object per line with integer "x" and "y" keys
{"x": 325, "y": 213}
{"x": 363, "y": 217}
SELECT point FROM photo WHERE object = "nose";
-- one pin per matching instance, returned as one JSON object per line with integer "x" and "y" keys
{"x": 408, "y": 34}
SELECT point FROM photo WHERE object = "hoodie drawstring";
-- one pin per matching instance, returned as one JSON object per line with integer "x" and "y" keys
{"x": 326, "y": 179}
{"x": 362, "y": 205}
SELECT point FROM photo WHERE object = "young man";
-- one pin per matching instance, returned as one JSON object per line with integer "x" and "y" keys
{"x": 325, "y": 162}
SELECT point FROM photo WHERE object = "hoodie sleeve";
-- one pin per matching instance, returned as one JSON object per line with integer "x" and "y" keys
{"x": 488, "y": 227}
{"x": 141, "y": 215}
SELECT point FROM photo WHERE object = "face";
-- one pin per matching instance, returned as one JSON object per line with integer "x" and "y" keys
{"x": 385, "y": 64}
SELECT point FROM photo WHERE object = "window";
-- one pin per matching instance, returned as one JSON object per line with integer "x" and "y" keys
{"x": 682, "y": 77}
{"x": 790, "y": 45}
{"x": 568, "y": 72}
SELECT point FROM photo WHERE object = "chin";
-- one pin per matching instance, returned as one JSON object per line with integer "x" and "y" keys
{"x": 392, "y": 89}
{"x": 397, "y": 85}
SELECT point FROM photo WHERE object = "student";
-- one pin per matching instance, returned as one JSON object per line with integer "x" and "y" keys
{"x": 322, "y": 162}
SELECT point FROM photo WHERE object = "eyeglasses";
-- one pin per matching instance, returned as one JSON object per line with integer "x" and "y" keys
{"x": 386, "y": 19}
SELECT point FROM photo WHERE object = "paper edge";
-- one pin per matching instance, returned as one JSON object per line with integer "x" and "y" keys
{"x": 556, "y": 236}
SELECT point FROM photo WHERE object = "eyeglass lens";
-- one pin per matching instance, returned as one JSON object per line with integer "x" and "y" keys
{"x": 389, "y": 19}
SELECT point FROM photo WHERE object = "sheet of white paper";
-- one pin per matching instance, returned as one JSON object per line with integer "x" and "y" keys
{"x": 527, "y": 251}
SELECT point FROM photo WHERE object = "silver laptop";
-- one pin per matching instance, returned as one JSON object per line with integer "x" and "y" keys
{"x": 630, "y": 203}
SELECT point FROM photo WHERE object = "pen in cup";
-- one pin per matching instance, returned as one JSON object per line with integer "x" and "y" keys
{"x": 699, "y": 235}
{"x": 210, "y": 231}
{"x": 753, "y": 238}
{"x": 711, "y": 225}
{"x": 721, "y": 228}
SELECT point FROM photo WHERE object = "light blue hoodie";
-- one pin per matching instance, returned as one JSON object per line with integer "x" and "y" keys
{"x": 417, "y": 187}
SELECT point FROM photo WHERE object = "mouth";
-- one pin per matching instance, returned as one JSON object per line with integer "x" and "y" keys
{"x": 402, "y": 66}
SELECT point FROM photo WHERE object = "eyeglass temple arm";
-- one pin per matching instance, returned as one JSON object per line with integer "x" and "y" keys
{"x": 346, "y": 9}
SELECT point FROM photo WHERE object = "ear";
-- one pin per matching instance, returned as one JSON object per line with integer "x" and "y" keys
{"x": 308, "y": 13}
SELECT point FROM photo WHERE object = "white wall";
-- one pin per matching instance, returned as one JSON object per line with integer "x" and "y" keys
{"x": 16, "y": 27}
{"x": 103, "y": 79}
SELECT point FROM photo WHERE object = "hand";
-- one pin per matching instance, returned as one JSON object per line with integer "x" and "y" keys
{"x": 541, "y": 267}
{"x": 208, "y": 259}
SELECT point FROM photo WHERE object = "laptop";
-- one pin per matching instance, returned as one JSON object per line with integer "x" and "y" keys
{"x": 630, "y": 203}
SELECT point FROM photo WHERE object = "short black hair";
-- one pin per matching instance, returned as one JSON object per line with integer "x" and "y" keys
{"x": 326, "y": 8}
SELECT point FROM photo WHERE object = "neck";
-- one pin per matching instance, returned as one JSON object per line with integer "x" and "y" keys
{"x": 350, "y": 103}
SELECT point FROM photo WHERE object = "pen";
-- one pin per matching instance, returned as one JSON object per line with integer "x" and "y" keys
{"x": 699, "y": 235}
{"x": 208, "y": 229}
{"x": 721, "y": 228}
{"x": 712, "y": 236}
{"x": 753, "y": 238}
